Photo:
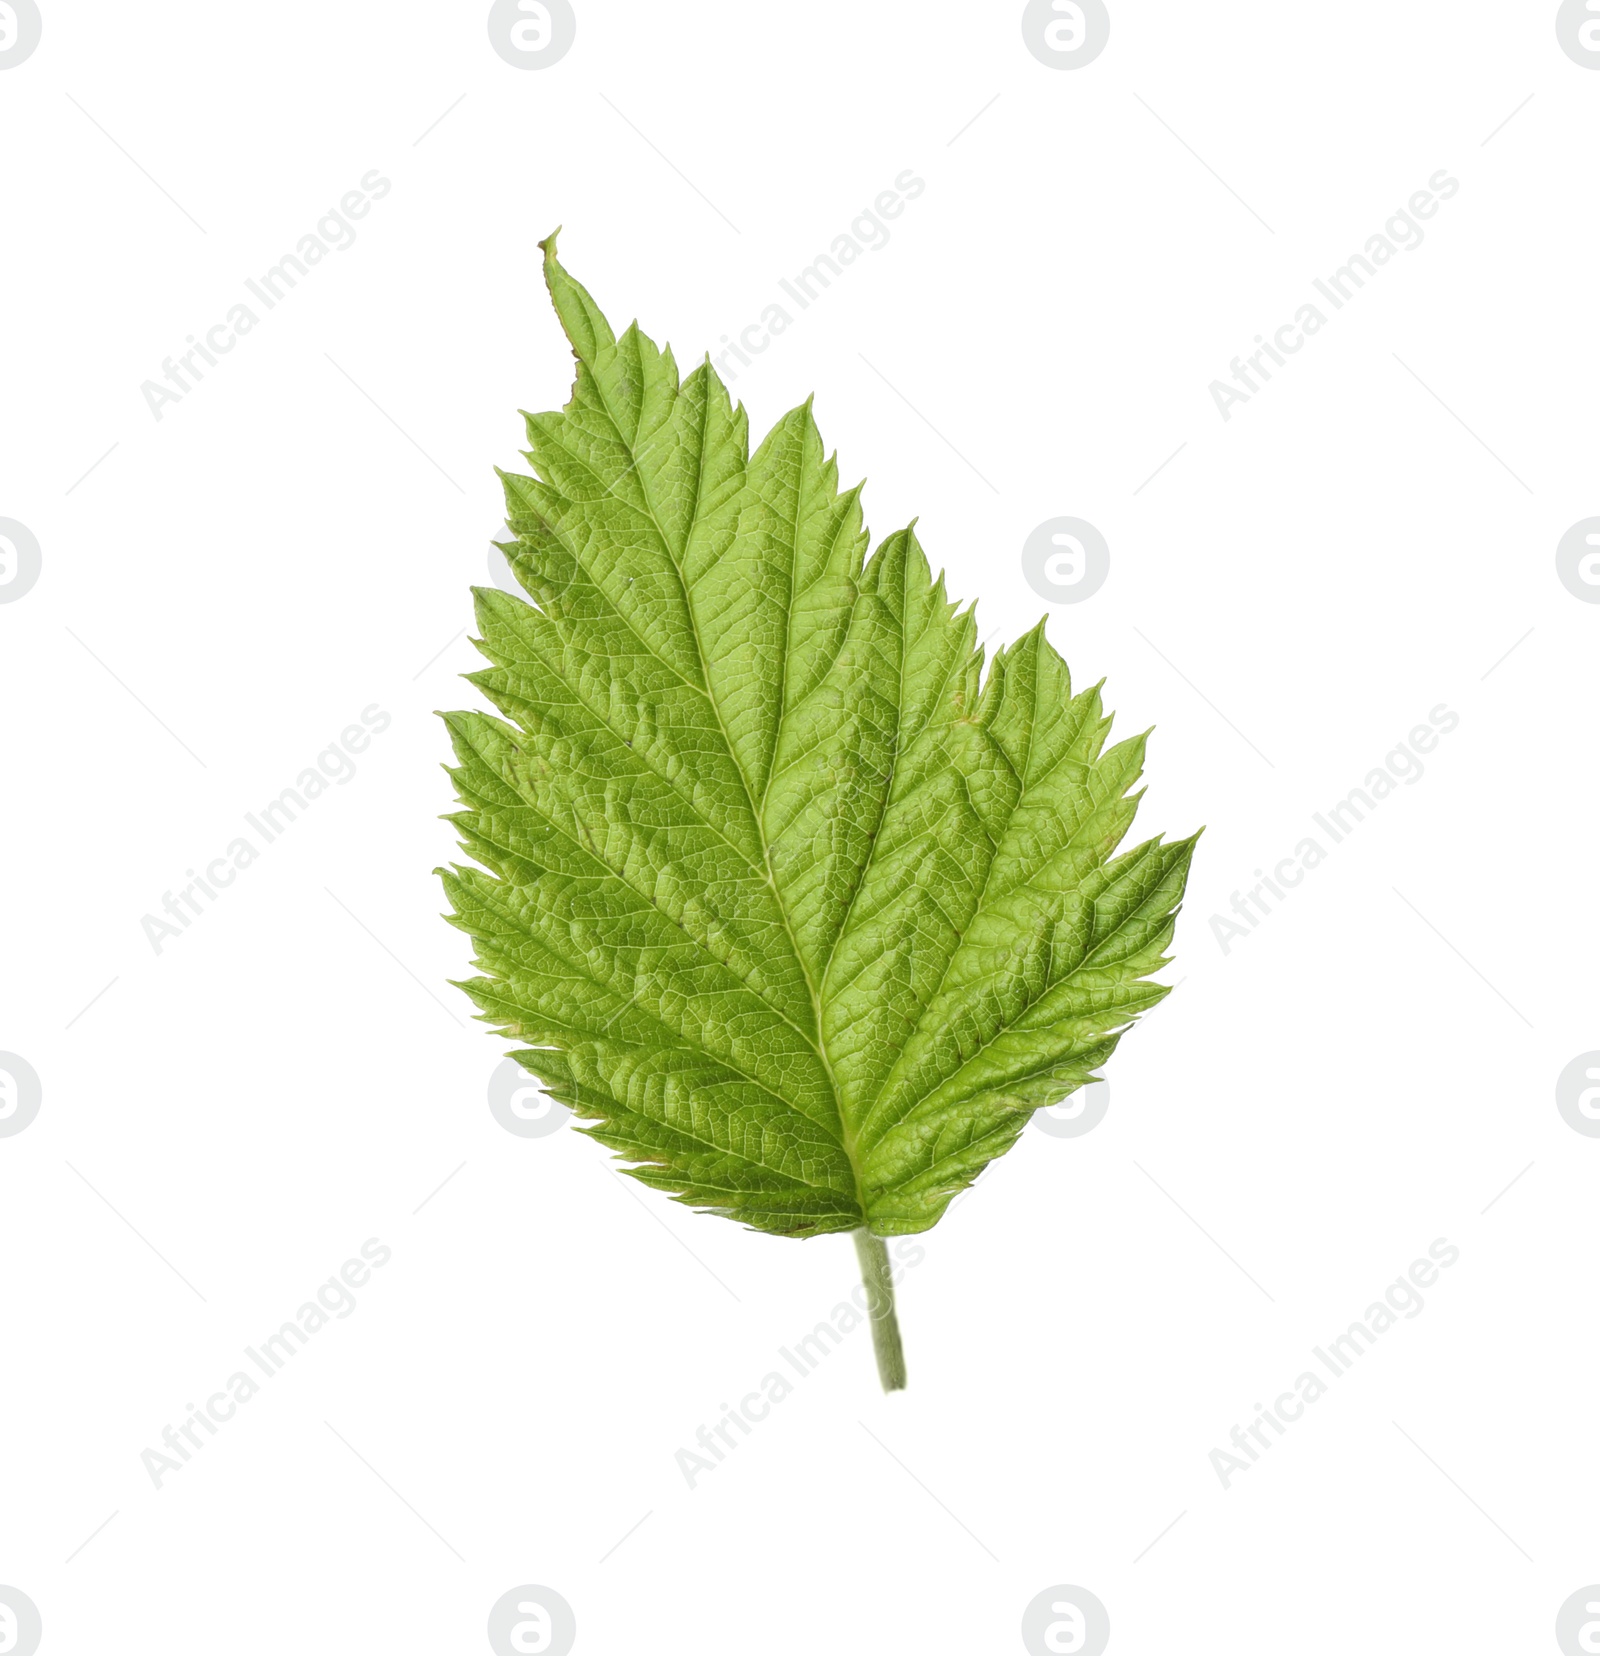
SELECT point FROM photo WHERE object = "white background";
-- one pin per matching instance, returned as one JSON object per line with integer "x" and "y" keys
{"x": 294, "y": 541}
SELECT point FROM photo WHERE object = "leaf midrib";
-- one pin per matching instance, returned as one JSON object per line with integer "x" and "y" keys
{"x": 580, "y": 968}
{"x": 847, "y": 1137}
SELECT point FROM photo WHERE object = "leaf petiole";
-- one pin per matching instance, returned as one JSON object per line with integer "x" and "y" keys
{"x": 873, "y": 1253}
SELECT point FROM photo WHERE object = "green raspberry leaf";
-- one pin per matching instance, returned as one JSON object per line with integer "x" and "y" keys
{"x": 801, "y": 911}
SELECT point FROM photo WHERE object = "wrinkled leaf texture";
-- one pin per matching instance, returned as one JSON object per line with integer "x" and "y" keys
{"x": 798, "y": 909}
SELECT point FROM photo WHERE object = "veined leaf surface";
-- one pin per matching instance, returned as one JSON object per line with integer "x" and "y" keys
{"x": 797, "y": 907}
